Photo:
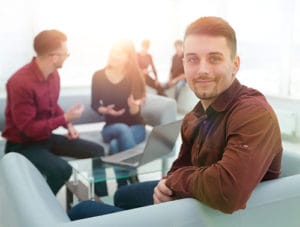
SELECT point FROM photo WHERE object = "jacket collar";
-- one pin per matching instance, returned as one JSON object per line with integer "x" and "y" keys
{"x": 222, "y": 101}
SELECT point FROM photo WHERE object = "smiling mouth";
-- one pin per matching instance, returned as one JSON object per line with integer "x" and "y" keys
{"x": 204, "y": 82}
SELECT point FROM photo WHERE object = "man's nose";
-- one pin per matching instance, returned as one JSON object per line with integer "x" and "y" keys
{"x": 203, "y": 67}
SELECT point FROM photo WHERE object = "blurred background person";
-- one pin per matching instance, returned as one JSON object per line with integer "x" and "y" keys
{"x": 32, "y": 113}
{"x": 147, "y": 66}
{"x": 118, "y": 91}
{"x": 176, "y": 76}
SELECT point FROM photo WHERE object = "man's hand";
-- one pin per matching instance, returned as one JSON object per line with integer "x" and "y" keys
{"x": 72, "y": 132}
{"x": 74, "y": 112}
{"x": 162, "y": 193}
{"x": 171, "y": 83}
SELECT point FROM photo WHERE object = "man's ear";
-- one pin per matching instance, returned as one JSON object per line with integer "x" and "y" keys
{"x": 236, "y": 64}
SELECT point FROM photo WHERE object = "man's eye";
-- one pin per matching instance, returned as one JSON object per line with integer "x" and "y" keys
{"x": 214, "y": 59}
{"x": 192, "y": 60}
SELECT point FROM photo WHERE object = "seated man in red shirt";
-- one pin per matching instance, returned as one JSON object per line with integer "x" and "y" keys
{"x": 32, "y": 113}
{"x": 230, "y": 140}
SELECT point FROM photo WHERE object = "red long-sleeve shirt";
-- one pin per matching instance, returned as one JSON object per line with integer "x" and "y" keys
{"x": 32, "y": 111}
{"x": 227, "y": 150}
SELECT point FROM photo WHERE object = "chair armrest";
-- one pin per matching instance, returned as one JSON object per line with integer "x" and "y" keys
{"x": 26, "y": 199}
{"x": 183, "y": 212}
{"x": 274, "y": 203}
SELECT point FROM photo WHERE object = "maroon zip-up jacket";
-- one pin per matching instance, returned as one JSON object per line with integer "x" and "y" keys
{"x": 227, "y": 150}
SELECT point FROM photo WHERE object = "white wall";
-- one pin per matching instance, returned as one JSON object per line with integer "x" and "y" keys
{"x": 288, "y": 110}
{"x": 91, "y": 26}
{"x": 15, "y": 37}
{"x": 268, "y": 33}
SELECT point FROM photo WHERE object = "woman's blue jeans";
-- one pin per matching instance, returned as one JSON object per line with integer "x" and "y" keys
{"x": 121, "y": 137}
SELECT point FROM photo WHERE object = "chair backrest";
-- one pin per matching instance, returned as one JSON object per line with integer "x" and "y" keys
{"x": 159, "y": 110}
{"x": 290, "y": 164}
{"x": 2, "y": 109}
{"x": 156, "y": 110}
{"x": 26, "y": 199}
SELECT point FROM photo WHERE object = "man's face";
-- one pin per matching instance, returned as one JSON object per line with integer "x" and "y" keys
{"x": 60, "y": 55}
{"x": 208, "y": 66}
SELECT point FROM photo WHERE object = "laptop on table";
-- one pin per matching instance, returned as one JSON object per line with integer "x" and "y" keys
{"x": 160, "y": 142}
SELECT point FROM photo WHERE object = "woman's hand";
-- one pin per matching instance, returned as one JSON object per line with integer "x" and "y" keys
{"x": 110, "y": 110}
{"x": 134, "y": 104}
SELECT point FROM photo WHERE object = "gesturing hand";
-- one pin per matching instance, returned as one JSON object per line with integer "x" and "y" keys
{"x": 109, "y": 109}
{"x": 74, "y": 112}
{"x": 137, "y": 102}
{"x": 134, "y": 104}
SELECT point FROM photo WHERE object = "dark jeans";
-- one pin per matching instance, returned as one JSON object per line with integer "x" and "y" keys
{"x": 45, "y": 156}
{"x": 126, "y": 197}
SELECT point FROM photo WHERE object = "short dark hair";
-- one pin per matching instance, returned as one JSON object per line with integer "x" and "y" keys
{"x": 214, "y": 26}
{"x": 47, "y": 41}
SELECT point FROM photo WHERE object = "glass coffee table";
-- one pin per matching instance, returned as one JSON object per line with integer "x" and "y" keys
{"x": 88, "y": 172}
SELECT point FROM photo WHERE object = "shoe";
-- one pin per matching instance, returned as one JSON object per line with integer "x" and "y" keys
{"x": 101, "y": 189}
{"x": 133, "y": 179}
{"x": 122, "y": 182}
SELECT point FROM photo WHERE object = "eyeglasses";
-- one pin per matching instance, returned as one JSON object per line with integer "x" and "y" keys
{"x": 66, "y": 54}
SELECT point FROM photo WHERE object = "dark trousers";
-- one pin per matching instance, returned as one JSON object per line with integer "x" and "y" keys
{"x": 127, "y": 197}
{"x": 45, "y": 156}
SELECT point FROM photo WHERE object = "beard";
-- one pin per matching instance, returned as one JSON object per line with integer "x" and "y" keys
{"x": 206, "y": 95}
{"x": 204, "y": 92}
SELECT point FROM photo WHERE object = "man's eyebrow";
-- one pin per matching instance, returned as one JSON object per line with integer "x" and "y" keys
{"x": 216, "y": 53}
{"x": 211, "y": 53}
{"x": 190, "y": 54}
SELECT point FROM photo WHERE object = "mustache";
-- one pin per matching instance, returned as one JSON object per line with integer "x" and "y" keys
{"x": 203, "y": 76}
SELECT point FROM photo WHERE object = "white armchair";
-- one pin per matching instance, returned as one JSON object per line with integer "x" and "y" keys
{"x": 26, "y": 200}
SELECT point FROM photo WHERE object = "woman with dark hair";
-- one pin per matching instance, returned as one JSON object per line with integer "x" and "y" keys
{"x": 118, "y": 91}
